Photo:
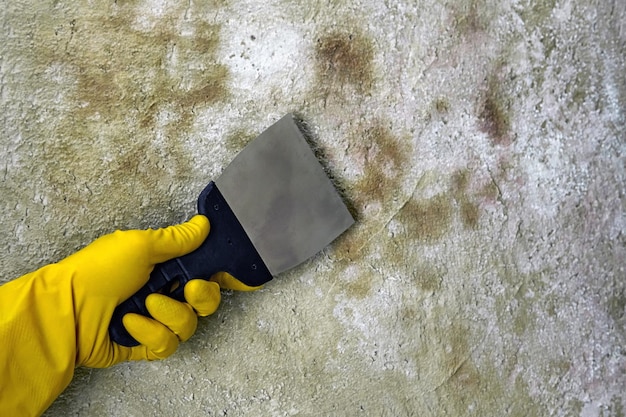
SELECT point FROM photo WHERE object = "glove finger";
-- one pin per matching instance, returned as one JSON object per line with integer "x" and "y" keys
{"x": 157, "y": 340}
{"x": 203, "y": 296}
{"x": 228, "y": 282}
{"x": 177, "y": 316}
{"x": 173, "y": 241}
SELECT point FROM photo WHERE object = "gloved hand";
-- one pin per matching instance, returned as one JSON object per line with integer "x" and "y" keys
{"x": 57, "y": 317}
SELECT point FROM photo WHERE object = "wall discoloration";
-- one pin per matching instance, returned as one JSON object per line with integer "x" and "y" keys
{"x": 428, "y": 220}
{"x": 344, "y": 58}
{"x": 469, "y": 210}
{"x": 384, "y": 158}
{"x": 130, "y": 106}
{"x": 469, "y": 17}
{"x": 477, "y": 144}
{"x": 381, "y": 158}
{"x": 494, "y": 113}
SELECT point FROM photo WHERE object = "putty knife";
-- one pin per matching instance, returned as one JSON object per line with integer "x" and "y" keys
{"x": 271, "y": 209}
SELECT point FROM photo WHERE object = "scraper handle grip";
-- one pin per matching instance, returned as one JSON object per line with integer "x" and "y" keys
{"x": 226, "y": 249}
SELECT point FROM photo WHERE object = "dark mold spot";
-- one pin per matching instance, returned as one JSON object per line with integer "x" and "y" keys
{"x": 460, "y": 181}
{"x": 490, "y": 192}
{"x": 617, "y": 305}
{"x": 469, "y": 214}
{"x": 494, "y": 112}
{"x": 456, "y": 351}
{"x": 384, "y": 159}
{"x": 537, "y": 13}
{"x": 345, "y": 58}
{"x": 126, "y": 72}
{"x": 442, "y": 106}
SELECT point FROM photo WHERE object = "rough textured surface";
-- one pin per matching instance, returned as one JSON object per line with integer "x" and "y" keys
{"x": 480, "y": 143}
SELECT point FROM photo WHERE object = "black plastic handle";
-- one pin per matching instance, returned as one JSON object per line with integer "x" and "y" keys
{"x": 227, "y": 249}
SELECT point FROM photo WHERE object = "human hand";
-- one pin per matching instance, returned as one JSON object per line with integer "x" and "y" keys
{"x": 57, "y": 317}
{"x": 113, "y": 268}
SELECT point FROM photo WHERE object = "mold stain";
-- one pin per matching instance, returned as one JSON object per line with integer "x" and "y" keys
{"x": 237, "y": 140}
{"x": 463, "y": 380}
{"x": 124, "y": 72}
{"x": 476, "y": 385}
{"x": 617, "y": 305}
{"x": 344, "y": 58}
{"x": 385, "y": 161}
{"x": 616, "y": 409}
{"x": 360, "y": 288}
{"x": 427, "y": 221}
{"x": 427, "y": 279}
{"x": 494, "y": 117}
{"x": 490, "y": 192}
{"x": 537, "y": 13}
{"x": 132, "y": 101}
{"x": 442, "y": 106}
{"x": 469, "y": 211}
{"x": 456, "y": 348}
{"x": 374, "y": 194}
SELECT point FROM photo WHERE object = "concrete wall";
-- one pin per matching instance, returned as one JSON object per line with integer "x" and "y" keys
{"x": 480, "y": 143}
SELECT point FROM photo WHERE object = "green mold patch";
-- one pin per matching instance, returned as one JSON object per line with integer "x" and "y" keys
{"x": 384, "y": 159}
{"x": 467, "y": 377}
{"x": 616, "y": 408}
{"x": 468, "y": 210}
{"x": 617, "y": 305}
{"x": 360, "y": 288}
{"x": 427, "y": 279}
{"x": 581, "y": 88}
{"x": 475, "y": 386}
{"x": 122, "y": 72}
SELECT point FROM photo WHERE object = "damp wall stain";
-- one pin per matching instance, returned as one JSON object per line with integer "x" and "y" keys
{"x": 344, "y": 59}
{"x": 469, "y": 210}
{"x": 428, "y": 220}
{"x": 124, "y": 131}
{"x": 470, "y": 17}
{"x": 132, "y": 95}
{"x": 384, "y": 158}
{"x": 494, "y": 116}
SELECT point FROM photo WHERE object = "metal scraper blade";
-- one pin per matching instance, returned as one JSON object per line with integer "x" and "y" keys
{"x": 282, "y": 197}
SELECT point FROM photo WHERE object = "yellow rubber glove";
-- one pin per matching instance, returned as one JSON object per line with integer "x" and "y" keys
{"x": 57, "y": 317}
